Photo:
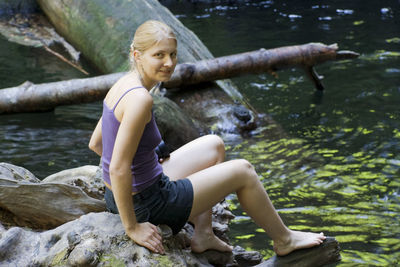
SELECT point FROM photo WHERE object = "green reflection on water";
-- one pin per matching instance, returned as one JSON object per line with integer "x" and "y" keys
{"x": 352, "y": 197}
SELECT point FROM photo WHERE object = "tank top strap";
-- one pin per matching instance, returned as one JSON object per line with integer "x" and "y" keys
{"x": 127, "y": 91}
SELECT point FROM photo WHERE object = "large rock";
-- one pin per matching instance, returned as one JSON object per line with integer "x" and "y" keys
{"x": 96, "y": 239}
{"x": 93, "y": 239}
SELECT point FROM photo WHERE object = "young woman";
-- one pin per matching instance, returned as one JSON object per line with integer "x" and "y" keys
{"x": 146, "y": 191}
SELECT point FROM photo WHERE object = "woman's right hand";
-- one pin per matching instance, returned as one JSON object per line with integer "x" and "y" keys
{"x": 147, "y": 235}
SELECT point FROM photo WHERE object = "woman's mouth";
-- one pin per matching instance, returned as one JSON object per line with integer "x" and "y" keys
{"x": 166, "y": 72}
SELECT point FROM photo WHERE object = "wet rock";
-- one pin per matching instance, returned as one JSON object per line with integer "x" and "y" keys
{"x": 246, "y": 258}
{"x": 215, "y": 109}
{"x": 242, "y": 113}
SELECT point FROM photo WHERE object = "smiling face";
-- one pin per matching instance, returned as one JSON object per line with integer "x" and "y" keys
{"x": 157, "y": 63}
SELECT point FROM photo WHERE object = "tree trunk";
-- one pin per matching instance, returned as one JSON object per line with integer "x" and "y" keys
{"x": 30, "y": 97}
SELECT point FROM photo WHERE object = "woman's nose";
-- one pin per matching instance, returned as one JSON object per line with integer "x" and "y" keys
{"x": 168, "y": 62}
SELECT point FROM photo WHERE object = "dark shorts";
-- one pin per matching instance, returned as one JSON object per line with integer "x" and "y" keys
{"x": 164, "y": 202}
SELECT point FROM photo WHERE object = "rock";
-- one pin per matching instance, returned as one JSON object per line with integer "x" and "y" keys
{"x": 215, "y": 109}
{"x": 246, "y": 258}
{"x": 89, "y": 178}
{"x": 170, "y": 118}
{"x": 327, "y": 253}
{"x": 45, "y": 205}
{"x": 93, "y": 239}
{"x": 15, "y": 173}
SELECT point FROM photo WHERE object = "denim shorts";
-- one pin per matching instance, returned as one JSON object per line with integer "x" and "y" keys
{"x": 164, "y": 202}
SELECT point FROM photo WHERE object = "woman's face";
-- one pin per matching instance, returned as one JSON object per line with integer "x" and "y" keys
{"x": 158, "y": 62}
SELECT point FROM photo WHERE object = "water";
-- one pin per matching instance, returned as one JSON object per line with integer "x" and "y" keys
{"x": 331, "y": 163}
{"x": 335, "y": 165}
{"x": 49, "y": 142}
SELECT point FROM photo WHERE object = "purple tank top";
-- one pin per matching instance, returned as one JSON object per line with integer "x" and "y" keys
{"x": 145, "y": 166}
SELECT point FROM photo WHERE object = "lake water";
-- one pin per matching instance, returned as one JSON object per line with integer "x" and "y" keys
{"x": 331, "y": 162}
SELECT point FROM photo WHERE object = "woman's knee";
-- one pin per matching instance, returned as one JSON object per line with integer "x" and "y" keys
{"x": 217, "y": 146}
{"x": 245, "y": 169}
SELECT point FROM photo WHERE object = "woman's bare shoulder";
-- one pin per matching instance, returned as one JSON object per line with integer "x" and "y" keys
{"x": 139, "y": 96}
{"x": 122, "y": 86}
{"x": 137, "y": 102}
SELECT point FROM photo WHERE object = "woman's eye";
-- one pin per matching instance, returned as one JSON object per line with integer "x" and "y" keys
{"x": 173, "y": 55}
{"x": 159, "y": 55}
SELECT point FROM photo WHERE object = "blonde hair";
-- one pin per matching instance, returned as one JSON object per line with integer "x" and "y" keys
{"x": 148, "y": 34}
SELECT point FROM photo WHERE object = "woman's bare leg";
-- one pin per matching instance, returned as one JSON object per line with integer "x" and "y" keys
{"x": 211, "y": 185}
{"x": 195, "y": 156}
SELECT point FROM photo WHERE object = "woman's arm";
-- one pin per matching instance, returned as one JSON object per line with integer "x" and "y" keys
{"x": 136, "y": 112}
{"x": 95, "y": 142}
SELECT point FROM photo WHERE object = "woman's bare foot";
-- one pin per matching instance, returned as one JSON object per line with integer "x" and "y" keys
{"x": 205, "y": 241}
{"x": 298, "y": 240}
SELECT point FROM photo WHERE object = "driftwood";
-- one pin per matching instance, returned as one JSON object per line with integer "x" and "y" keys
{"x": 29, "y": 97}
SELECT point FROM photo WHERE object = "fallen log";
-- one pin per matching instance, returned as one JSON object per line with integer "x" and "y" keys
{"x": 30, "y": 97}
{"x": 262, "y": 60}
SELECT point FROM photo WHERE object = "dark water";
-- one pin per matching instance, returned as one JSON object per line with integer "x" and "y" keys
{"x": 337, "y": 168}
{"x": 331, "y": 163}
{"x": 44, "y": 143}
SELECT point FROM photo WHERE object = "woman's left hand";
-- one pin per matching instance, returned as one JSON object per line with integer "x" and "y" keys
{"x": 147, "y": 235}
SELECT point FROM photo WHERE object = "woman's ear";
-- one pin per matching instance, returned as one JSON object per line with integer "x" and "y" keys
{"x": 136, "y": 55}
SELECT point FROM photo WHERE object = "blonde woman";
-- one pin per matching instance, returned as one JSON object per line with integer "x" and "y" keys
{"x": 147, "y": 191}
